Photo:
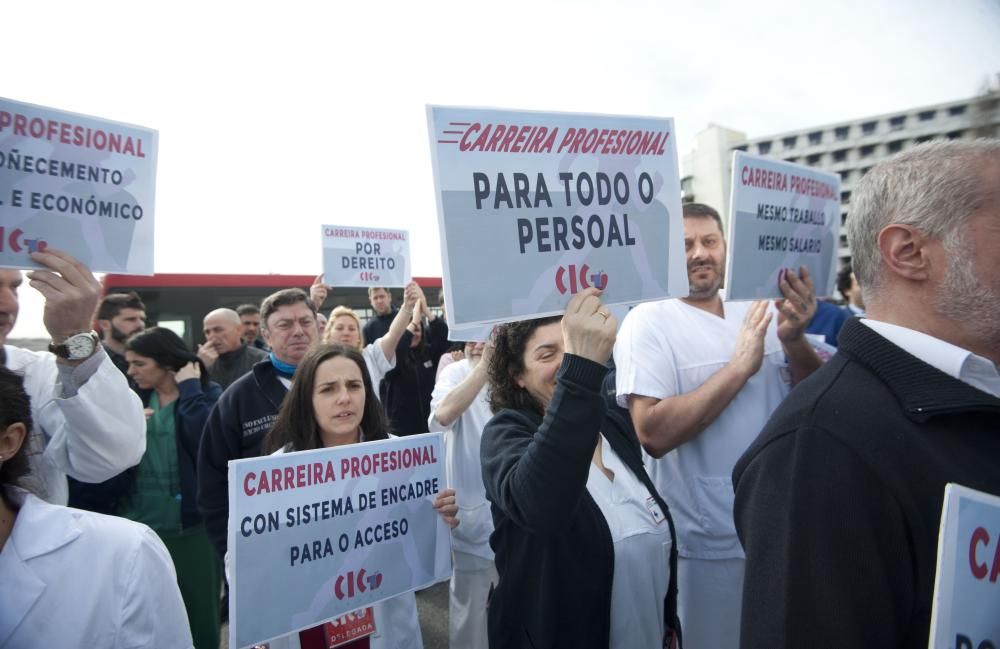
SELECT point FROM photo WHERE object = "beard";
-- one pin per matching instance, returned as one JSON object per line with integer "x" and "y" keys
{"x": 964, "y": 298}
{"x": 119, "y": 335}
{"x": 700, "y": 289}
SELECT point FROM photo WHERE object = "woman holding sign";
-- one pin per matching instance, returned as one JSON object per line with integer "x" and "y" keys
{"x": 332, "y": 403}
{"x": 584, "y": 544}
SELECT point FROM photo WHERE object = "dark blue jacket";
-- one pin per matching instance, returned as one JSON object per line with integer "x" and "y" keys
{"x": 190, "y": 412}
{"x": 235, "y": 429}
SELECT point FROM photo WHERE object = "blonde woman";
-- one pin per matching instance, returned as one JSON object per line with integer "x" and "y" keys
{"x": 344, "y": 328}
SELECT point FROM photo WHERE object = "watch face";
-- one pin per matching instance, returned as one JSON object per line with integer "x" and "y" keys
{"x": 80, "y": 346}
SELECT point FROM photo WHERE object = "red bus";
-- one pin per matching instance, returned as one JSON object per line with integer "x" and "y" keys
{"x": 179, "y": 301}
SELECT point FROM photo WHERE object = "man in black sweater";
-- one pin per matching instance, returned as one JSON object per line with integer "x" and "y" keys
{"x": 378, "y": 325}
{"x": 224, "y": 353}
{"x": 838, "y": 502}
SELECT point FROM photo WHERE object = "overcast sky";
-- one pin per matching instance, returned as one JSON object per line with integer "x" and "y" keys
{"x": 275, "y": 118}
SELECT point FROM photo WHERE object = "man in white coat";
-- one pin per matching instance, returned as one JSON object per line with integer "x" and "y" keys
{"x": 700, "y": 377}
{"x": 88, "y": 424}
{"x": 459, "y": 407}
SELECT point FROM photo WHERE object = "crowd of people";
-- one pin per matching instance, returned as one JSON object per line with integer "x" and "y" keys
{"x": 702, "y": 474}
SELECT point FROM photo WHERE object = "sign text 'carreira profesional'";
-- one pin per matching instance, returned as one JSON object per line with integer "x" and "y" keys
{"x": 332, "y": 531}
{"x": 551, "y": 204}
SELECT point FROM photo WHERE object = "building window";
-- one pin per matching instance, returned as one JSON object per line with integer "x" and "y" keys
{"x": 845, "y": 197}
{"x": 793, "y": 160}
{"x": 956, "y": 135}
{"x": 813, "y": 159}
{"x": 897, "y": 123}
{"x": 841, "y": 132}
{"x": 763, "y": 148}
{"x": 742, "y": 147}
{"x": 895, "y": 146}
{"x": 816, "y": 137}
{"x": 926, "y": 115}
{"x": 924, "y": 138}
{"x": 845, "y": 175}
{"x": 868, "y": 128}
{"x": 789, "y": 142}
{"x": 866, "y": 151}
{"x": 840, "y": 156}
{"x": 956, "y": 110}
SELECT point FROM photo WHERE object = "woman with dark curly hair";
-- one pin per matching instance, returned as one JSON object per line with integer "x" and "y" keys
{"x": 584, "y": 544}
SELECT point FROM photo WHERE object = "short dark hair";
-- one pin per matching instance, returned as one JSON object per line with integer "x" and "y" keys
{"x": 15, "y": 408}
{"x": 296, "y": 426}
{"x": 284, "y": 297}
{"x": 167, "y": 350}
{"x": 247, "y": 309}
{"x": 507, "y": 364}
{"x": 113, "y": 303}
{"x": 702, "y": 211}
{"x": 844, "y": 280}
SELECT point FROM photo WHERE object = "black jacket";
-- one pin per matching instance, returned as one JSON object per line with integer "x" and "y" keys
{"x": 407, "y": 388}
{"x": 553, "y": 547}
{"x": 838, "y": 502}
{"x": 378, "y": 326}
{"x": 235, "y": 429}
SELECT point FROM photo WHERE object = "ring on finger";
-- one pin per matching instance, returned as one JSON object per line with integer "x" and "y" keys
{"x": 604, "y": 314}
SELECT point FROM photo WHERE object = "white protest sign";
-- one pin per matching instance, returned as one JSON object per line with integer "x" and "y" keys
{"x": 80, "y": 184}
{"x": 474, "y": 333}
{"x": 782, "y": 215}
{"x": 363, "y": 256}
{"x": 317, "y": 534}
{"x": 966, "y": 613}
{"x": 534, "y": 207}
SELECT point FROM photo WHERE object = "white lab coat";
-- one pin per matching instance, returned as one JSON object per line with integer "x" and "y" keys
{"x": 72, "y": 578}
{"x": 91, "y": 429}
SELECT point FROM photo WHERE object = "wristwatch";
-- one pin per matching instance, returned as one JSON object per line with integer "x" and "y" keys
{"x": 77, "y": 347}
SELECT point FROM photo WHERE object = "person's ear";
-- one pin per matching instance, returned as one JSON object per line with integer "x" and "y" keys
{"x": 11, "y": 439}
{"x": 905, "y": 251}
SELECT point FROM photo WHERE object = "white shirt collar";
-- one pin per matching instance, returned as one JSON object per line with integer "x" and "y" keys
{"x": 979, "y": 372}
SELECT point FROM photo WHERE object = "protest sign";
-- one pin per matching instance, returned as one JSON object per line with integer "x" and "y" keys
{"x": 782, "y": 215}
{"x": 473, "y": 333}
{"x": 966, "y": 613}
{"x": 79, "y": 184}
{"x": 363, "y": 256}
{"x": 535, "y": 207}
{"x": 317, "y": 534}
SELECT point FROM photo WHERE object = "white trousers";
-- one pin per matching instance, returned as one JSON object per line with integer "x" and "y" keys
{"x": 470, "y": 586}
{"x": 709, "y": 601}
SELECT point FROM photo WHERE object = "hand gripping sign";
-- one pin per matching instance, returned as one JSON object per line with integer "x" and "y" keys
{"x": 80, "y": 184}
{"x": 535, "y": 207}
{"x": 782, "y": 215}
